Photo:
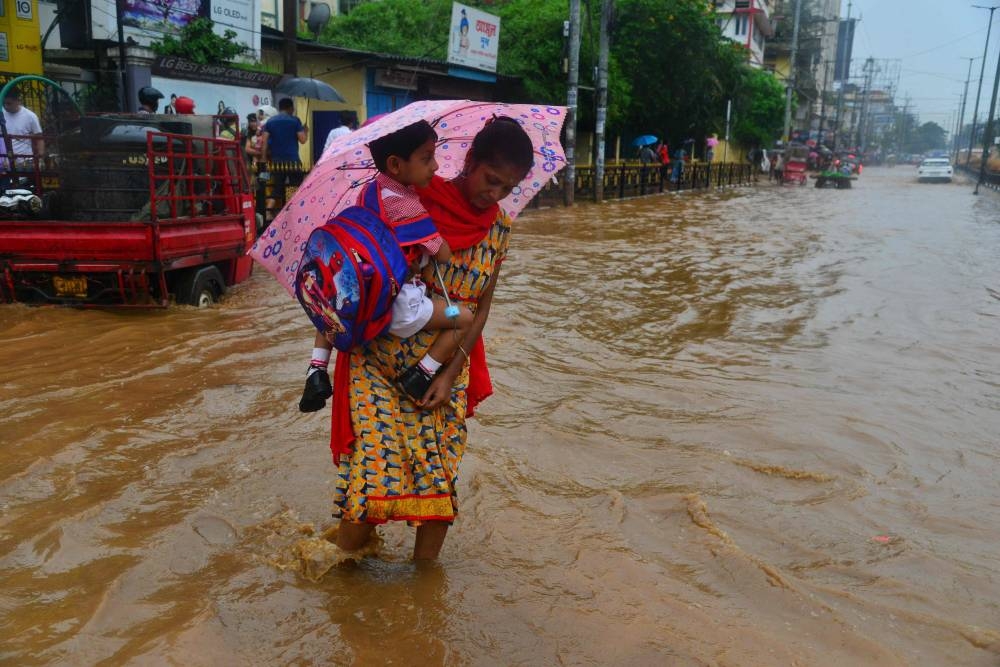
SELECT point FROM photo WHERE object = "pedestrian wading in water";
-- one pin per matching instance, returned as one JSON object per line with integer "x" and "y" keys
{"x": 398, "y": 458}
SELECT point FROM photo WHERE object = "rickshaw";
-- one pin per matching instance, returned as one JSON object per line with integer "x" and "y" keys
{"x": 796, "y": 161}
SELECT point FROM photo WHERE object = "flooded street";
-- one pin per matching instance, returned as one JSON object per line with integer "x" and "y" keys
{"x": 749, "y": 427}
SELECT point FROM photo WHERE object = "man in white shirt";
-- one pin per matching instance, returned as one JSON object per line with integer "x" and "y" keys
{"x": 21, "y": 123}
{"x": 338, "y": 131}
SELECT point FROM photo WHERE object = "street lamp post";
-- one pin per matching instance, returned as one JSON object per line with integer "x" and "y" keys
{"x": 790, "y": 83}
{"x": 989, "y": 129}
{"x": 982, "y": 73}
{"x": 961, "y": 114}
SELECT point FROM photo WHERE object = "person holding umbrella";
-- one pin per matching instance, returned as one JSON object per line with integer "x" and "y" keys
{"x": 710, "y": 144}
{"x": 417, "y": 448}
{"x": 490, "y": 168}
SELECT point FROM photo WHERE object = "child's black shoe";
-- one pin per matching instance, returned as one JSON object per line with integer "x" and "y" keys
{"x": 317, "y": 390}
{"x": 415, "y": 381}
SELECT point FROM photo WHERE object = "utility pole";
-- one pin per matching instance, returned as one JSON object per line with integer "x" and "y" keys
{"x": 602, "y": 99}
{"x": 729, "y": 115}
{"x": 845, "y": 66}
{"x": 822, "y": 100}
{"x": 119, "y": 13}
{"x": 961, "y": 114}
{"x": 989, "y": 128}
{"x": 862, "y": 117}
{"x": 790, "y": 83}
{"x": 982, "y": 73}
{"x": 572, "y": 93}
{"x": 290, "y": 28}
{"x": 903, "y": 119}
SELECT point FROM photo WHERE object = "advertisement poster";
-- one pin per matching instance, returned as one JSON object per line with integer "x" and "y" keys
{"x": 145, "y": 21}
{"x": 152, "y": 18}
{"x": 474, "y": 38}
{"x": 212, "y": 98}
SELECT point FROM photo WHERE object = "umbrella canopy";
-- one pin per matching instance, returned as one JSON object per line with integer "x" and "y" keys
{"x": 644, "y": 140}
{"x": 346, "y": 166}
{"x": 313, "y": 89}
{"x": 712, "y": 141}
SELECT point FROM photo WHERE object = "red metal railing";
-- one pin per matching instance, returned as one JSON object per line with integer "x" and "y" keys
{"x": 194, "y": 176}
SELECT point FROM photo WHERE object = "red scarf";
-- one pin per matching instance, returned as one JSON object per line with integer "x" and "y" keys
{"x": 462, "y": 226}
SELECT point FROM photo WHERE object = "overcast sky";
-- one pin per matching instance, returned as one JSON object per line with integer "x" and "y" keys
{"x": 929, "y": 38}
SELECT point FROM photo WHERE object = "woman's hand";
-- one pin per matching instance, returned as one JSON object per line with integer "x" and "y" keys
{"x": 439, "y": 392}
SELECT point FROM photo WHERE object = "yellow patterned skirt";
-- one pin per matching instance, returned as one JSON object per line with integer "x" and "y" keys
{"x": 404, "y": 461}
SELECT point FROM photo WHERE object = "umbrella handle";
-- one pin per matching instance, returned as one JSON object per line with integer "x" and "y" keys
{"x": 451, "y": 310}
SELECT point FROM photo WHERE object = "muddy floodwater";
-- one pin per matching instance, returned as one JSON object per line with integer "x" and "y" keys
{"x": 758, "y": 426}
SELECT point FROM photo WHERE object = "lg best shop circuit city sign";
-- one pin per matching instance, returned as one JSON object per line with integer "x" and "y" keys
{"x": 474, "y": 39}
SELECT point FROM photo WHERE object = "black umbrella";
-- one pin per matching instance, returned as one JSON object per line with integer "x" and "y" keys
{"x": 313, "y": 89}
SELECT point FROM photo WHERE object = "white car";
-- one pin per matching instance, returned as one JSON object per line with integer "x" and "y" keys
{"x": 935, "y": 169}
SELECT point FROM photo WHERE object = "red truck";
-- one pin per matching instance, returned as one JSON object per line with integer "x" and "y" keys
{"x": 134, "y": 210}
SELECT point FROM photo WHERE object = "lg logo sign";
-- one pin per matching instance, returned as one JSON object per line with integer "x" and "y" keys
{"x": 24, "y": 9}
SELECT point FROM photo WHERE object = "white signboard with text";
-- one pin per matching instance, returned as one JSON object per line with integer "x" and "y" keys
{"x": 474, "y": 38}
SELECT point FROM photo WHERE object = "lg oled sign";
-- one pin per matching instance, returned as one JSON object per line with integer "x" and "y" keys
{"x": 146, "y": 21}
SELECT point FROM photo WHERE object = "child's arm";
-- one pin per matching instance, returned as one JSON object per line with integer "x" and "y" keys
{"x": 444, "y": 252}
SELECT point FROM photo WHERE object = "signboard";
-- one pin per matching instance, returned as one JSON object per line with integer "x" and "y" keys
{"x": 179, "y": 68}
{"x": 845, "y": 48}
{"x": 390, "y": 78}
{"x": 212, "y": 98}
{"x": 145, "y": 21}
{"x": 20, "y": 38}
{"x": 474, "y": 39}
{"x": 240, "y": 16}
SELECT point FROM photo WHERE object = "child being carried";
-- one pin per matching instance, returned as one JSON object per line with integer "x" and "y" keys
{"x": 404, "y": 160}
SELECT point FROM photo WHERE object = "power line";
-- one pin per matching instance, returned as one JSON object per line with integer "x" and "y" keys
{"x": 942, "y": 46}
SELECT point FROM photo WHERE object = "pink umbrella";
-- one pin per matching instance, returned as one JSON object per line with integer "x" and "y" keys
{"x": 346, "y": 165}
{"x": 711, "y": 142}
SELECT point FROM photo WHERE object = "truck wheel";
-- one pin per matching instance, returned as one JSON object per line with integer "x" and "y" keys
{"x": 201, "y": 287}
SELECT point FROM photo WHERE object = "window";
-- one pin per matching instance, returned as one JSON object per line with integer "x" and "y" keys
{"x": 741, "y": 23}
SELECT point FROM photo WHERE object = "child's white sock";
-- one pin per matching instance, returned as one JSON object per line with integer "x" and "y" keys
{"x": 429, "y": 364}
{"x": 320, "y": 360}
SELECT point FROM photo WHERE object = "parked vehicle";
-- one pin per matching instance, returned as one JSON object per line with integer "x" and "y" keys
{"x": 796, "y": 162}
{"x": 935, "y": 169}
{"x": 134, "y": 210}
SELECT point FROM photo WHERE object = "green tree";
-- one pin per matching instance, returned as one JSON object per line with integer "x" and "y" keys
{"x": 759, "y": 108}
{"x": 402, "y": 27}
{"x": 198, "y": 42}
{"x": 679, "y": 67}
{"x": 926, "y": 137}
{"x": 530, "y": 37}
{"x": 670, "y": 70}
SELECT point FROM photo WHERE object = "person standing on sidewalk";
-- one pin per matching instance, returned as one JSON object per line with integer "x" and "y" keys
{"x": 279, "y": 142}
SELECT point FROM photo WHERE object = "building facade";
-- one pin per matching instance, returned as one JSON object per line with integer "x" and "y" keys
{"x": 746, "y": 22}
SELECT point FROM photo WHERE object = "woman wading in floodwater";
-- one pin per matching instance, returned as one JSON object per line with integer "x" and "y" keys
{"x": 398, "y": 461}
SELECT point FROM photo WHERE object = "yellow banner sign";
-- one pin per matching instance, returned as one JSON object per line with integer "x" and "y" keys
{"x": 20, "y": 37}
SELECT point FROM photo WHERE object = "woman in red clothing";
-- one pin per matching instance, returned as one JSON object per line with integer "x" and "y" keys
{"x": 398, "y": 459}
{"x": 664, "y": 152}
